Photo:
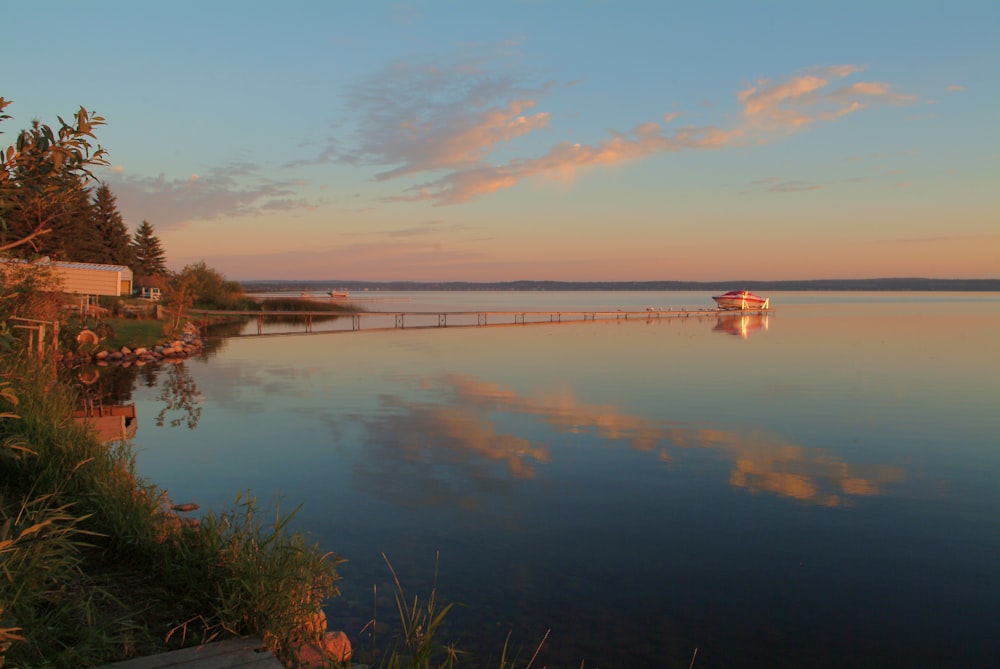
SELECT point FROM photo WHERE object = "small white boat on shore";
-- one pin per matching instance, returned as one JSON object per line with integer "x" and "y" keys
{"x": 742, "y": 300}
{"x": 339, "y": 294}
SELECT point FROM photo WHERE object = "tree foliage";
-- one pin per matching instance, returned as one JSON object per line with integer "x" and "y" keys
{"x": 114, "y": 243}
{"x": 28, "y": 290}
{"x": 43, "y": 178}
{"x": 207, "y": 288}
{"x": 150, "y": 260}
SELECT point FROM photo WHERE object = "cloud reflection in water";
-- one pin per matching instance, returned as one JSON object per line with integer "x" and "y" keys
{"x": 458, "y": 426}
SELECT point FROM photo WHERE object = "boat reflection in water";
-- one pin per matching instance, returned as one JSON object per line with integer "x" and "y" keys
{"x": 741, "y": 324}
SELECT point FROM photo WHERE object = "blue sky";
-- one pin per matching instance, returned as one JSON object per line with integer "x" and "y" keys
{"x": 536, "y": 140}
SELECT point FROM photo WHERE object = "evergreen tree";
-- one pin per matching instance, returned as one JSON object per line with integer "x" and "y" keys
{"x": 62, "y": 200}
{"x": 112, "y": 233}
{"x": 150, "y": 260}
{"x": 73, "y": 236}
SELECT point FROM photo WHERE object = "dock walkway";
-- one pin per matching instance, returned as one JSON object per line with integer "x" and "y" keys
{"x": 388, "y": 320}
{"x": 231, "y": 654}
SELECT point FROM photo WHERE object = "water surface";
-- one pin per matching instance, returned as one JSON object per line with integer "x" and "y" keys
{"x": 813, "y": 488}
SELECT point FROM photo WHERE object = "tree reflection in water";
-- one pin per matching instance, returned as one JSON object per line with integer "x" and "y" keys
{"x": 180, "y": 394}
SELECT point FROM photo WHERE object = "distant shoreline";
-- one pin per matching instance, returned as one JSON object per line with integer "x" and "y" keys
{"x": 890, "y": 285}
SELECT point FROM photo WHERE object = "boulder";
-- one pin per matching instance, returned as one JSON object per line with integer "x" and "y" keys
{"x": 337, "y": 646}
{"x": 317, "y": 655}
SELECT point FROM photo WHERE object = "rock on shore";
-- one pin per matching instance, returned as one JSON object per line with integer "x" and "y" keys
{"x": 187, "y": 345}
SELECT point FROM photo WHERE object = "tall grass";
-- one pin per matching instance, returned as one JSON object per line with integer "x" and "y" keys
{"x": 95, "y": 566}
{"x": 415, "y": 640}
{"x": 418, "y": 646}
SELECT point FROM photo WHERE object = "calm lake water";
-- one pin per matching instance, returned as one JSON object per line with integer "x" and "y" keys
{"x": 817, "y": 488}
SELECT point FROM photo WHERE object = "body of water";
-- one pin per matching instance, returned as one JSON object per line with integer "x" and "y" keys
{"x": 814, "y": 488}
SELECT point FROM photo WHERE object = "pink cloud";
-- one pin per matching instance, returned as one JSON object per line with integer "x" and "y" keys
{"x": 563, "y": 161}
{"x": 424, "y": 146}
{"x": 172, "y": 203}
{"x": 461, "y": 144}
{"x": 805, "y": 99}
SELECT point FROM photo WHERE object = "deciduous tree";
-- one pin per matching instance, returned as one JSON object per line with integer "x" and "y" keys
{"x": 42, "y": 175}
{"x": 210, "y": 289}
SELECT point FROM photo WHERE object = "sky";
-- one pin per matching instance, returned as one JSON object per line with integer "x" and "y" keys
{"x": 535, "y": 140}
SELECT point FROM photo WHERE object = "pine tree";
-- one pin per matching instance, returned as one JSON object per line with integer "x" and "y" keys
{"x": 115, "y": 241}
{"x": 150, "y": 260}
{"x": 72, "y": 236}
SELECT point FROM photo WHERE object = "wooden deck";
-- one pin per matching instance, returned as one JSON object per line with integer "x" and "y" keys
{"x": 230, "y": 654}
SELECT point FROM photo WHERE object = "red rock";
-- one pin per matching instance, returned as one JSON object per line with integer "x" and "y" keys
{"x": 338, "y": 646}
{"x": 334, "y": 646}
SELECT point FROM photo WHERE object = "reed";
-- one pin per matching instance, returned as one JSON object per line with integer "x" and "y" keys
{"x": 304, "y": 304}
{"x": 417, "y": 646}
{"x": 415, "y": 642}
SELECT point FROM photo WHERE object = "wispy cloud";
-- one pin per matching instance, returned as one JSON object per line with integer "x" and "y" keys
{"x": 172, "y": 203}
{"x": 453, "y": 123}
{"x": 794, "y": 187}
{"x": 806, "y": 98}
{"x": 454, "y": 129}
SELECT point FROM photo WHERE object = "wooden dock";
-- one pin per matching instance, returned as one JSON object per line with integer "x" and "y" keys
{"x": 230, "y": 654}
{"x": 386, "y": 320}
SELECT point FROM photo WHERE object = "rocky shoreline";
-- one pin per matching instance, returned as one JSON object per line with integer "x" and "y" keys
{"x": 187, "y": 345}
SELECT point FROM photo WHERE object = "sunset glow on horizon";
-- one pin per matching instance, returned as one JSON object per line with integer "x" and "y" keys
{"x": 502, "y": 141}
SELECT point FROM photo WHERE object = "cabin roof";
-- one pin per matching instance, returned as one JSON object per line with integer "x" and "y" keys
{"x": 69, "y": 265}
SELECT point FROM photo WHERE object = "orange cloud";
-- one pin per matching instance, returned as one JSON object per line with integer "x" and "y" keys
{"x": 467, "y": 142}
{"x": 447, "y": 120}
{"x": 767, "y": 109}
{"x": 564, "y": 160}
{"x": 803, "y": 99}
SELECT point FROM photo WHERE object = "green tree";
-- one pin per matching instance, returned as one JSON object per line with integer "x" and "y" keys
{"x": 72, "y": 236}
{"x": 178, "y": 298}
{"x": 209, "y": 289}
{"x": 150, "y": 260}
{"x": 42, "y": 175}
{"x": 115, "y": 242}
{"x": 29, "y": 290}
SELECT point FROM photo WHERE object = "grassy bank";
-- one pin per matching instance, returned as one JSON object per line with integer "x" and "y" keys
{"x": 96, "y": 565}
{"x": 117, "y": 332}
